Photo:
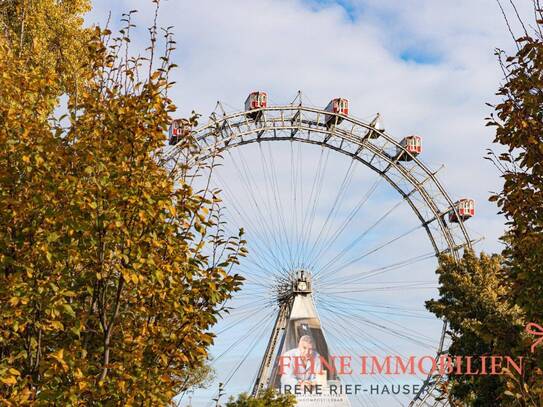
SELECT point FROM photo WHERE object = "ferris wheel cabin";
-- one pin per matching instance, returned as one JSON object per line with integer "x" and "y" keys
{"x": 338, "y": 106}
{"x": 179, "y": 129}
{"x": 465, "y": 208}
{"x": 255, "y": 101}
{"x": 410, "y": 144}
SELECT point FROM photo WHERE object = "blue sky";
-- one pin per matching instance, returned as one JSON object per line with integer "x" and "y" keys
{"x": 351, "y": 10}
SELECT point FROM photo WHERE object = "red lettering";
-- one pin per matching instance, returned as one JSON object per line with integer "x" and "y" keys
{"x": 345, "y": 362}
{"x": 380, "y": 367}
{"x": 409, "y": 365}
{"x": 494, "y": 364}
{"x": 511, "y": 363}
{"x": 282, "y": 364}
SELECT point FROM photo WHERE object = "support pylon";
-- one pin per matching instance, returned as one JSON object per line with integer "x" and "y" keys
{"x": 297, "y": 349}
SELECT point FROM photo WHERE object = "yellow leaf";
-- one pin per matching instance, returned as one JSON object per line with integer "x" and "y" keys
{"x": 14, "y": 372}
{"x": 9, "y": 380}
{"x": 59, "y": 357}
{"x": 57, "y": 325}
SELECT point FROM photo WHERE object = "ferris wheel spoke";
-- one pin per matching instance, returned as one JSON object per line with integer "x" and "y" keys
{"x": 328, "y": 281}
{"x": 270, "y": 180}
{"x": 245, "y": 335}
{"x": 355, "y": 336}
{"x": 344, "y": 341}
{"x": 323, "y": 272}
{"x": 303, "y": 207}
{"x": 295, "y": 197}
{"x": 322, "y": 242}
{"x": 259, "y": 337}
{"x": 404, "y": 286}
{"x": 253, "y": 303}
{"x": 382, "y": 310}
{"x": 260, "y": 270}
{"x": 327, "y": 243}
{"x": 354, "y": 303}
{"x": 240, "y": 307}
{"x": 359, "y": 238}
{"x": 378, "y": 327}
{"x": 343, "y": 326}
{"x": 256, "y": 271}
{"x": 386, "y": 329}
{"x": 242, "y": 317}
{"x": 262, "y": 242}
{"x": 298, "y": 197}
{"x": 310, "y": 215}
{"x": 353, "y": 313}
{"x": 267, "y": 222}
{"x": 343, "y": 187}
{"x": 277, "y": 217}
{"x": 263, "y": 295}
{"x": 252, "y": 280}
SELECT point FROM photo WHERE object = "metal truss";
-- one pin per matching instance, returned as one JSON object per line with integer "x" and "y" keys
{"x": 360, "y": 141}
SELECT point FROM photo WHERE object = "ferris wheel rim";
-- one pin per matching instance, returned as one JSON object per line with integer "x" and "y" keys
{"x": 216, "y": 124}
{"x": 222, "y": 126}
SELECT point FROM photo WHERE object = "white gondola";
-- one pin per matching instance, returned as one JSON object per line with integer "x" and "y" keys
{"x": 337, "y": 106}
{"x": 465, "y": 208}
{"x": 410, "y": 144}
{"x": 179, "y": 129}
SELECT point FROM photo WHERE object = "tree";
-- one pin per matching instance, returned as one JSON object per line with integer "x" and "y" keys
{"x": 519, "y": 128}
{"x": 482, "y": 321}
{"x": 49, "y": 34}
{"x": 489, "y": 300}
{"x": 113, "y": 266}
{"x": 268, "y": 399}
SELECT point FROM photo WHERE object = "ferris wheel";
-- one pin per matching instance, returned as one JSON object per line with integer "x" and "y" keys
{"x": 344, "y": 225}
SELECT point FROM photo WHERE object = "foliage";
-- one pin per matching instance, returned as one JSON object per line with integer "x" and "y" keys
{"x": 489, "y": 300}
{"x": 267, "y": 399}
{"x": 112, "y": 267}
{"x": 519, "y": 128}
{"x": 482, "y": 321}
{"x": 48, "y": 33}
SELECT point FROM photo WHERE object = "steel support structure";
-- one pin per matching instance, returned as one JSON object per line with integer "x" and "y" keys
{"x": 415, "y": 182}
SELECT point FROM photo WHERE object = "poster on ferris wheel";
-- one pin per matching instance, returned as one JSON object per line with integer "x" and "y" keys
{"x": 302, "y": 365}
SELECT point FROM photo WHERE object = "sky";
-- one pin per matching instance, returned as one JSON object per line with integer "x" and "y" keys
{"x": 428, "y": 66}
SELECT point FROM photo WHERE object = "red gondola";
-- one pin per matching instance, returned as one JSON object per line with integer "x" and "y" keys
{"x": 256, "y": 100}
{"x": 178, "y": 129}
{"x": 411, "y": 144}
{"x": 465, "y": 208}
{"x": 338, "y": 106}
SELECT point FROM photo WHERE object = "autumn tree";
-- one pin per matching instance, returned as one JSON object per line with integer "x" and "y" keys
{"x": 113, "y": 268}
{"x": 482, "y": 321}
{"x": 49, "y": 34}
{"x": 490, "y": 300}
{"x": 268, "y": 398}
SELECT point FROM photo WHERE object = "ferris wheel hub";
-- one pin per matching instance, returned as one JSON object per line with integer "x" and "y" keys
{"x": 298, "y": 283}
{"x": 302, "y": 282}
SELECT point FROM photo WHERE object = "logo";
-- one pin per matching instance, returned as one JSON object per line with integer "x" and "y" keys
{"x": 536, "y": 330}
